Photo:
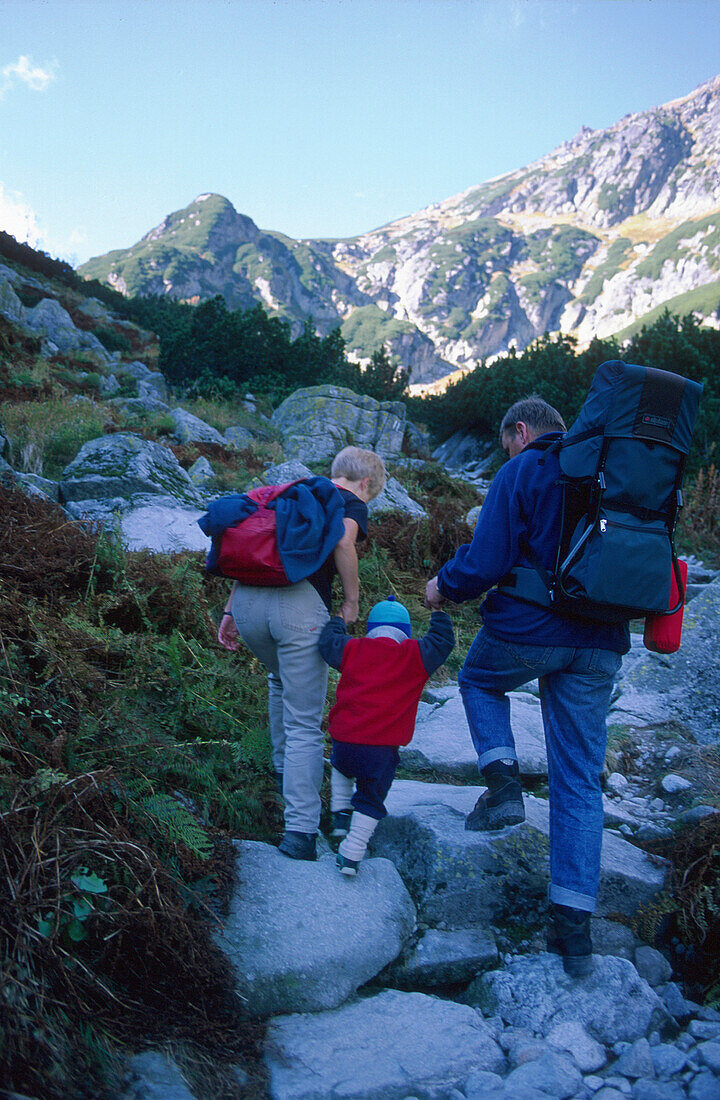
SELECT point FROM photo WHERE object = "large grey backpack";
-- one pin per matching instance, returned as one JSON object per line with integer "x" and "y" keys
{"x": 622, "y": 464}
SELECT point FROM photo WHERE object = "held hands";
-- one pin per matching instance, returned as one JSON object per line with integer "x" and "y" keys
{"x": 434, "y": 598}
{"x": 349, "y": 611}
{"x": 228, "y": 633}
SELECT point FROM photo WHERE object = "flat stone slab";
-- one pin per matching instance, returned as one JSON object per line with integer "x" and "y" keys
{"x": 303, "y": 937}
{"x": 442, "y": 745}
{"x": 440, "y": 957}
{"x": 387, "y": 1047}
{"x": 466, "y": 878}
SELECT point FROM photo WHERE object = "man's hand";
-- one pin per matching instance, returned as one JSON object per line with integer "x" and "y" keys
{"x": 434, "y": 598}
{"x": 228, "y": 633}
{"x": 350, "y": 611}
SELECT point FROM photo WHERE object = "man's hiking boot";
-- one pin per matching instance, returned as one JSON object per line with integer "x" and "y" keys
{"x": 502, "y": 803}
{"x": 341, "y": 823}
{"x": 298, "y": 846}
{"x": 347, "y": 866}
{"x": 569, "y": 937}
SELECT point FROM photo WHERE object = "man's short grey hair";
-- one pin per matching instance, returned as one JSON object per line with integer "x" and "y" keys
{"x": 355, "y": 464}
{"x": 536, "y": 413}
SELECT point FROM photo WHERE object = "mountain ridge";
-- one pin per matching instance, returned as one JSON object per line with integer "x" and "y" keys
{"x": 586, "y": 240}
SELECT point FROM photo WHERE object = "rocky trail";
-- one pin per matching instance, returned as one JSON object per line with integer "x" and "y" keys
{"x": 426, "y": 976}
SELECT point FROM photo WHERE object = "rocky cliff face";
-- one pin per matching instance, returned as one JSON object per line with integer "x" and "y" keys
{"x": 607, "y": 228}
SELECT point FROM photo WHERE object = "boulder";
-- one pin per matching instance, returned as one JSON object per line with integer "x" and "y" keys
{"x": 685, "y": 686}
{"x": 161, "y": 524}
{"x": 386, "y": 1047}
{"x": 36, "y": 486}
{"x": 109, "y": 386}
{"x": 394, "y": 498}
{"x": 239, "y": 437}
{"x": 284, "y": 472}
{"x": 123, "y": 466}
{"x": 440, "y": 958}
{"x": 533, "y": 992}
{"x": 191, "y": 429}
{"x": 146, "y": 522}
{"x": 153, "y": 383}
{"x": 147, "y": 402}
{"x": 201, "y": 472}
{"x": 94, "y": 310}
{"x": 319, "y": 421}
{"x": 442, "y": 745}
{"x": 10, "y": 305}
{"x": 463, "y": 449}
{"x": 136, "y": 369}
{"x": 49, "y": 319}
{"x": 571, "y": 1036}
{"x": 155, "y": 1076}
{"x": 465, "y": 878}
{"x": 553, "y": 1074}
{"x": 303, "y": 937}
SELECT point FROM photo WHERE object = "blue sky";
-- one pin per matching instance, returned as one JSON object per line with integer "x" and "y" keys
{"x": 318, "y": 118}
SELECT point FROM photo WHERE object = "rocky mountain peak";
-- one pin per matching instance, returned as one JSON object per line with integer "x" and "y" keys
{"x": 610, "y": 226}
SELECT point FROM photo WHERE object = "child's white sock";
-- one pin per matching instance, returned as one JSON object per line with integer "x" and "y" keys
{"x": 341, "y": 791}
{"x": 355, "y": 843}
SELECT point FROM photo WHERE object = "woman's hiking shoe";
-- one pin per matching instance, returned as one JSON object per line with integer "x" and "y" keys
{"x": 502, "y": 803}
{"x": 347, "y": 866}
{"x": 569, "y": 937}
{"x": 341, "y": 823}
{"x": 298, "y": 846}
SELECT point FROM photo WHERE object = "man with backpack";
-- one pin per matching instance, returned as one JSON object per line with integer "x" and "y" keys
{"x": 282, "y": 627}
{"x": 575, "y": 660}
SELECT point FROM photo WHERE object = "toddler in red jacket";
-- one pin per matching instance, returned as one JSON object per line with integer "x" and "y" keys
{"x": 382, "y": 677}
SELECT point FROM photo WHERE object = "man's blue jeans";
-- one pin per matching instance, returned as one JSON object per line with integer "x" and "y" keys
{"x": 575, "y": 688}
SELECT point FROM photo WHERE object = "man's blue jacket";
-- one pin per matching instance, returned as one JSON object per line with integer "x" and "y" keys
{"x": 523, "y": 503}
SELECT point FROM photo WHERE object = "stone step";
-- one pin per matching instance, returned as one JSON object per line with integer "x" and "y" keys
{"x": 465, "y": 878}
{"x": 386, "y": 1047}
{"x": 302, "y": 937}
{"x": 442, "y": 745}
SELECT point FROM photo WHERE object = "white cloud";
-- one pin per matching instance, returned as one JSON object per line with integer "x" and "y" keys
{"x": 24, "y": 71}
{"x": 18, "y": 218}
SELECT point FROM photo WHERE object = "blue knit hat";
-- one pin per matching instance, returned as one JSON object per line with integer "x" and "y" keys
{"x": 389, "y": 612}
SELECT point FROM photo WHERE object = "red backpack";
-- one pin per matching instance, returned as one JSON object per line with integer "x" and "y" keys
{"x": 249, "y": 550}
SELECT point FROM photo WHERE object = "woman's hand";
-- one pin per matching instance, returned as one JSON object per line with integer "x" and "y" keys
{"x": 349, "y": 611}
{"x": 228, "y": 633}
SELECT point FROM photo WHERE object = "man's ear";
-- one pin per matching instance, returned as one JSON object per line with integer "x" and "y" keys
{"x": 521, "y": 431}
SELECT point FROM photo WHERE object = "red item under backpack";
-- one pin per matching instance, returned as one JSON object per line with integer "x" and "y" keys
{"x": 249, "y": 551}
{"x": 663, "y": 632}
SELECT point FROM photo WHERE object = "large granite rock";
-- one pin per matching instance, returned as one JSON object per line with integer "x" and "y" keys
{"x": 533, "y": 992}
{"x": 10, "y": 305}
{"x": 49, "y": 319}
{"x": 191, "y": 429}
{"x": 442, "y": 745}
{"x": 319, "y": 421}
{"x": 394, "y": 498}
{"x": 685, "y": 686}
{"x": 464, "y": 878}
{"x": 386, "y": 1047}
{"x": 124, "y": 466}
{"x": 303, "y": 937}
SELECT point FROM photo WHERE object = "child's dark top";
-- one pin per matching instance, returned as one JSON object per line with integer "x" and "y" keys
{"x": 382, "y": 680}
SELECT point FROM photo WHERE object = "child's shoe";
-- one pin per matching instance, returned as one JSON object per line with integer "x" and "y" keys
{"x": 347, "y": 866}
{"x": 341, "y": 823}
